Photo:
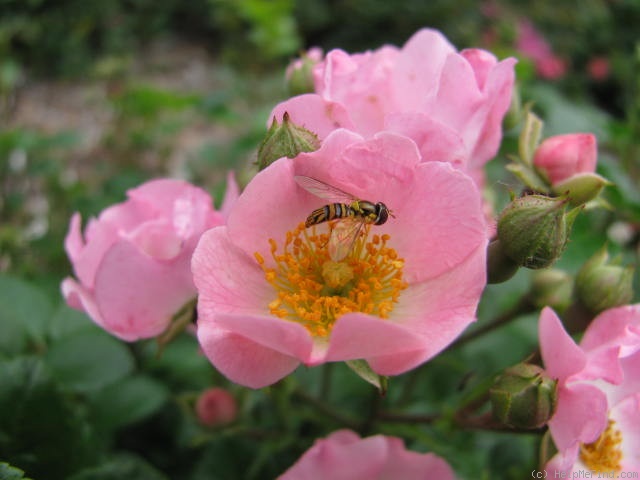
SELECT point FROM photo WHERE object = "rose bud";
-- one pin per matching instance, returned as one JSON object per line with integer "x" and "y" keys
{"x": 601, "y": 285}
{"x": 215, "y": 407}
{"x": 523, "y": 396}
{"x": 533, "y": 230}
{"x": 299, "y": 73}
{"x": 563, "y": 156}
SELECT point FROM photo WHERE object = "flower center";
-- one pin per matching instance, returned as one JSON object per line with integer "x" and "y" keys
{"x": 315, "y": 291}
{"x": 605, "y": 454}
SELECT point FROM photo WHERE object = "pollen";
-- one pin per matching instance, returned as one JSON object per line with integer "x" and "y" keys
{"x": 605, "y": 454}
{"x": 315, "y": 291}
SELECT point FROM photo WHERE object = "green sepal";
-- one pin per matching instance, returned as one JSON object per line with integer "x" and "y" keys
{"x": 364, "y": 371}
{"x": 530, "y": 138}
{"x": 529, "y": 177}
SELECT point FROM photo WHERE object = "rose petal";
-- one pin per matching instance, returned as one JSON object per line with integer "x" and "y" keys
{"x": 158, "y": 239}
{"x": 358, "y": 335}
{"x": 614, "y": 327}
{"x": 581, "y": 415}
{"x": 440, "y": 222}
{"x": 416, "y": 77}
{"x": 498, "y": 91}
{"x": 283, "y": 336}
{"x": 407, "y": 465}
{"x": 137, "y": 295}
{"x": 562, "y": 357}
{"x": 482, "y": 62}
{"x": 436, "y": 141}
{"x": 231, "y": 195}
{"x": 314, "y": 113}
{"x": 241, "y": 360}
{"x": 79, "y": 298}
{"x": 626, "y": 415}
{"x": 227, "y": 279}
{"x": 328, "y": 459}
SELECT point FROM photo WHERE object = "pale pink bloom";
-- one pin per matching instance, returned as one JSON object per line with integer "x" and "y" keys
{"x": 396, "y": 301}
{"x": 595, "y": 426}
{"x": 450, "y": 103}
{"x": 343, "y": 455}
{"x": 531, "y": 44}
{"x": 132, "y": 263}
{"x": 216, "y": 406}
{"x": 562, "y": 156}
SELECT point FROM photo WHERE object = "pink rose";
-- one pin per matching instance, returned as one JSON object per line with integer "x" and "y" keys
{"x": 563, "y": 156}
{"x": 343, "y": 455}
{"x": 216, "y": 406}
{"x": 450, "y": 103}
{"x": 270, "y": 298}
{"x": 595, "y": 427}
{"x": 133, "y": 262}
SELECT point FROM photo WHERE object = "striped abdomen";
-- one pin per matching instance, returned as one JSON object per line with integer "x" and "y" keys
{"x": 330, "y": 212}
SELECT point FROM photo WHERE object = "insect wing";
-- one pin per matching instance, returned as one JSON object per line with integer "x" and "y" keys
{"x": 324, "y": 190}
{"x": 343, "y": 236}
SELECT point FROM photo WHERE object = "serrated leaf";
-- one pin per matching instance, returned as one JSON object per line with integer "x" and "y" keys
{"x": 128, "y": 401}
{"x": 88, "y": 361}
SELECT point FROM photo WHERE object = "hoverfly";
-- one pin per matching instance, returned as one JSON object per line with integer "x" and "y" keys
{"x": 352, "y": 213}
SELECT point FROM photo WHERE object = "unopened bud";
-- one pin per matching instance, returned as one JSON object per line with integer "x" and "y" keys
{"x": 300, "y": 72}
{"x": 500, "y": 267}
{"x": 285, "y": 139}
{"x": 215, "y": 407}
{"x": 581, "y": 188}
{"x": 563, "y": 156}
{"x": 524, "y": 397}
{"x": 534, "y": 229}
{"x": 601, "y": 285}
{"x": 553, "y": 288}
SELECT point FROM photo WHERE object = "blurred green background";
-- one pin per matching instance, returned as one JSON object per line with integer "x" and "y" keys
{"x": 98, "y": 97}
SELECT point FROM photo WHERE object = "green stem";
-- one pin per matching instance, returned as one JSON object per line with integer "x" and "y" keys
{"x": 326, "y": 409}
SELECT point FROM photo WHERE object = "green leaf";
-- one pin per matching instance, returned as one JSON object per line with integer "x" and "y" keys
{"x": 67, "y": 321}
{"x": 364, "y": 371}
{"x": 7, "y": 472}
{"x": 181, "y": 363}
{"x": 125, "y": 466}
{"x": 24, "y": 313}
{"x": 89, "y": 361}
{"x": 41, "y": 429}
{"x": 128, "y": 401}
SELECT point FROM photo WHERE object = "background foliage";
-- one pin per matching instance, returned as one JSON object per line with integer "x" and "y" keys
{"x": 97, "y": 97}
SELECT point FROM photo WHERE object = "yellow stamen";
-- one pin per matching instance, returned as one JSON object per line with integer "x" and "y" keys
{"x": 315, "y": 291}
{"x": 605, "y": 454}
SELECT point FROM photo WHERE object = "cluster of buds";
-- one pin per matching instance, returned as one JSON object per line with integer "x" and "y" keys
{"x": 559, "y": 178}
